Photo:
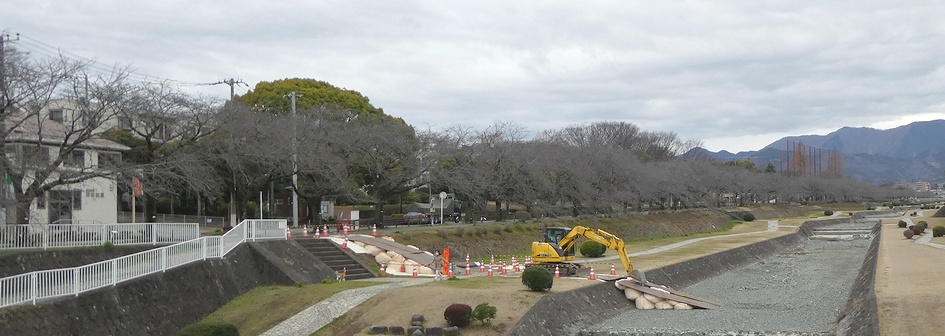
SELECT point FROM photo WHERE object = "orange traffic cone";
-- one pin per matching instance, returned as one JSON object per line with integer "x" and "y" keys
{"x": 288, "y": 233}
{"x": 304, "y": 231}
{"x": 592, "y": 276}
{"x": 490, "y": 271}
{"x": 557, "y": 273}
{"x": 482, "y": 267}
{"x": 325, "y": 231}
{"x": 403, "y": 268}
{"x": 612, "y": 270}
{"x": 317, "y": 233}
{"x": 503, "y": 270}
{"x": 383, "y": 269}
{"x": 449, "y": 274}
{"x": 346, "y": 230}
{"x": 415, "y": 274}
{"x": 374, "y": 231}
{"x": 345, "y": 244}
{"x": 492, "y": 260}
{"x": 468, "y": 271}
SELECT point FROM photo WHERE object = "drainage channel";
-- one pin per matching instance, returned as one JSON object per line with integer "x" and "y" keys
{"x": 797, "y": 291}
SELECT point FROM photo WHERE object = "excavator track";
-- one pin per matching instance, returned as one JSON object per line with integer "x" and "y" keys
{"x": 564, "y": 268}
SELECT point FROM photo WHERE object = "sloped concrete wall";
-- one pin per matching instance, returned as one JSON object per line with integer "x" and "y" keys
{"x": 860, "y": 316}
{"x": 19, "y": 262}
{"x": 566, "y": 313}
{"x": 163, "y": 303}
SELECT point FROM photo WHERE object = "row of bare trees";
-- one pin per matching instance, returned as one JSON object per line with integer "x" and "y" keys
{"x": 194, "y": 148}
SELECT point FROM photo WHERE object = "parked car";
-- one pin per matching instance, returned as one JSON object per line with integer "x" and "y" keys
{"x": 416, "y": 218}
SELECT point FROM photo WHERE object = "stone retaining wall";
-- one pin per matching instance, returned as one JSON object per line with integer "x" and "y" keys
{"x": 566, "y": 313}
{"x": 860, "y": 316}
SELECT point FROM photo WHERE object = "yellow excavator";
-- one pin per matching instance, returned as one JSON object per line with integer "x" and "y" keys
{"x": 557, "y": 249}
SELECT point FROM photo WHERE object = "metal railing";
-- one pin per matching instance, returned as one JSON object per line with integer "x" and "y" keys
{"x": 34, "y": 286}
{"x": 45, "y": 236}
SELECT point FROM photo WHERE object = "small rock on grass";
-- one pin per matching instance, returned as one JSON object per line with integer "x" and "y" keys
{"x": 454, "y": 330}
{"x": 379, "y": 329}
{"x": 413, "y": 331}
{"x": 417, "y": 317}
{"x": 397, "y": 330}
{"x": 434, "y": 331}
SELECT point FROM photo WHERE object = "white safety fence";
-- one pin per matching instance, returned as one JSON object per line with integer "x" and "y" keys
{"x": 39, "y": 285}
{"x": 45, "y": 236}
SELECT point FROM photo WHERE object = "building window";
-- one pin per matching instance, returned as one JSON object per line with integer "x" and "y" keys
{"x": 76, "y": 199}
{"x": 41, "y": 200}
{"x": 34, "y": 155}
{"x": 75, "y": 159}
{"x": 56, "y": 115}
{"x": 109, "y": 160}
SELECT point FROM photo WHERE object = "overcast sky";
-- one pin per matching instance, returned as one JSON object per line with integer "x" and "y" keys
{"x": 737, "y": 75}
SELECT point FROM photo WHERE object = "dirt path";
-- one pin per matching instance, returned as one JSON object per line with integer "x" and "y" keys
{"x": 909, "y": 282}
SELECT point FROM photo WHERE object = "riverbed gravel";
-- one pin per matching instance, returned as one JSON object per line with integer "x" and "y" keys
{"x": 798, "y": 291}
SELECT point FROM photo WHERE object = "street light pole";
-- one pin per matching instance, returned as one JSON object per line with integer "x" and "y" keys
{"x": 295, "y": 157}
{"x": 442, "y": 196}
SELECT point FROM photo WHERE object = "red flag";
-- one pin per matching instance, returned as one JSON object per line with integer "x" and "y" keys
{"x": 138, "y": 186}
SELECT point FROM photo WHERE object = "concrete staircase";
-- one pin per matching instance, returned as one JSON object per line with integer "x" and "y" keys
{"x": 336, "y": 258}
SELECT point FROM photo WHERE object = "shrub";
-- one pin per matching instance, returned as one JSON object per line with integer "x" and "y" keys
{"x": 484, "y": 312}
{"x": 592, "y": 249}
{"x": 507, "y": 228}
{"x": 209, "y": 329}
{"x": 537, "y": 278}
{"x": 917, "y": 230}
{"x": 522, "y": 215}
{"x": 902, "y": 223}
{"x": 908, "y": 233}
{"x": 938, "y": 231}
{"x": 828, "y": 212}
{"x": 748, "y": 217}
{"x": 923, "y": 224}
{"x": 497, "y": 229}
{"x": 460, "y": 232}
{"x": 457, "y": 314}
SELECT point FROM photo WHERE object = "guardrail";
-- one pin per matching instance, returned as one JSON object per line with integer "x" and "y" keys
{"x": 45, "y": 236}
{"x": 35, "y": 286}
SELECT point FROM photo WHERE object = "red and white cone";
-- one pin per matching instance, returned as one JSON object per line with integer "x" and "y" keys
{"x": 374, "y": 231}
{"x": 403, "y": 268}
{"x": 449, "y": 272}
{"x": 612, "y": 270}
{"x": 492, "y": 260}
{"x": 467, "y": 258}
{"x": 383, "y": 269}
{"x": 482, "y": 267}
{"x": 304, "y": 231}
{"x": 468, "y": 271}
{"x": 318, "y": 233}
{"x": 503, "y": 270}
{"x": 325, "y": 231}
{"x": 346, "y": 230}
{"x": 557, "y": 273}
{"x": 415, "y": 274}
{"x": 592, "y": 276}
{"x": 345, "y": 244}
{"x": 516, "y": 269}
{"x": 490, "y": 271}
{"x": 288, "y": 233}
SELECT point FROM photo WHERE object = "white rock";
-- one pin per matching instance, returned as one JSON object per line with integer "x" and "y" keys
{"x": 631, "y": 293}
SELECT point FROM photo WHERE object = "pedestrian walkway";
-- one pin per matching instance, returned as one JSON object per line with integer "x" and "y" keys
{"x": 310, "y": 320}
{"x": 926, "y": 239}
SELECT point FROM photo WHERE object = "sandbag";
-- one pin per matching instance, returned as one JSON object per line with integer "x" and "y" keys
{"x": 398, "y": 258}
{"x": 373, "y": 250}
{"x": 644, "y": 304}
{"x": 426, "y": 270}
{"x": 410, "y": 262}
{"x": 682, "y": 306}
{"x": 382, "y": 258}
{"x": 394, "y": 266}
{"x": 631, "y": 293}
{"x": 652, "y": 299}
{"x": 359, "y": 243}
{"x": 388, "y": 238}
{"x": 392, "y": 254}
{"x": 413, "y": 247}
{"x": 619, "y": 286}
{"x": 663, "y": 305}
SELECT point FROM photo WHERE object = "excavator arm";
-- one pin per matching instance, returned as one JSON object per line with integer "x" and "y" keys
{"x": 606, "y": 238}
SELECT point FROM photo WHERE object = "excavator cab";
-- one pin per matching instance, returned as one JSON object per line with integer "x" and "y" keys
{"x": 553, "y": 236}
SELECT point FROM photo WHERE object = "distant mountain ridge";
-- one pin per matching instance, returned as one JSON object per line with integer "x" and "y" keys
{"x": 908, "y": 153}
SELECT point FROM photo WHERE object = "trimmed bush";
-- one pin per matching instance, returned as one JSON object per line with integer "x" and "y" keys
{"x": 908, "y": 233}
{"x": 828, "y": 212}
{"x": 923, "y": 224}
{"x": 522, "y": 215}
{"x": 483, "y": 313}
{"x": 209, "y": 329}
{"x": 902, "y": 223}
{"x": 748, "y": 217}
{"x": 537, "y": 278}
{"x": 592, "y": 249}
{"x": 917, "y": 230}
{"x": 938, "y": 231}
{"x": 458, "y": 314}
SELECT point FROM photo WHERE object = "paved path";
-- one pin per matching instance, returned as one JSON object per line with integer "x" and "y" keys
{"x": 908, "y": 282}
{"x": 310, "y": 320}
{"x": 927, "y": 240}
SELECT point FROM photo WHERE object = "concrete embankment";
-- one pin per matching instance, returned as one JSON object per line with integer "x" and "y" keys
{"x": 161, "y": 304}
{"x": 19, "y": 262}
{"x": 570, "y": 312}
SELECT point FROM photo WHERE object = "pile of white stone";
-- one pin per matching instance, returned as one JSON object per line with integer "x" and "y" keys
{"x": 647, "y": 301}
{"x": 393, "y": 260}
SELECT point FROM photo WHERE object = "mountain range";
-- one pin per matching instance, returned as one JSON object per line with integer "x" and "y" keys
{"x": 908, "y": 153}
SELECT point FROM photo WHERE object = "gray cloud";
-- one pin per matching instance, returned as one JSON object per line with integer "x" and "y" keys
{"x": 721, "y": 71}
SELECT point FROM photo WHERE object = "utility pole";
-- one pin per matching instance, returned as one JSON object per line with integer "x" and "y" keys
{"x": 295, "y": 155}
{"x": 232, "y": 83}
